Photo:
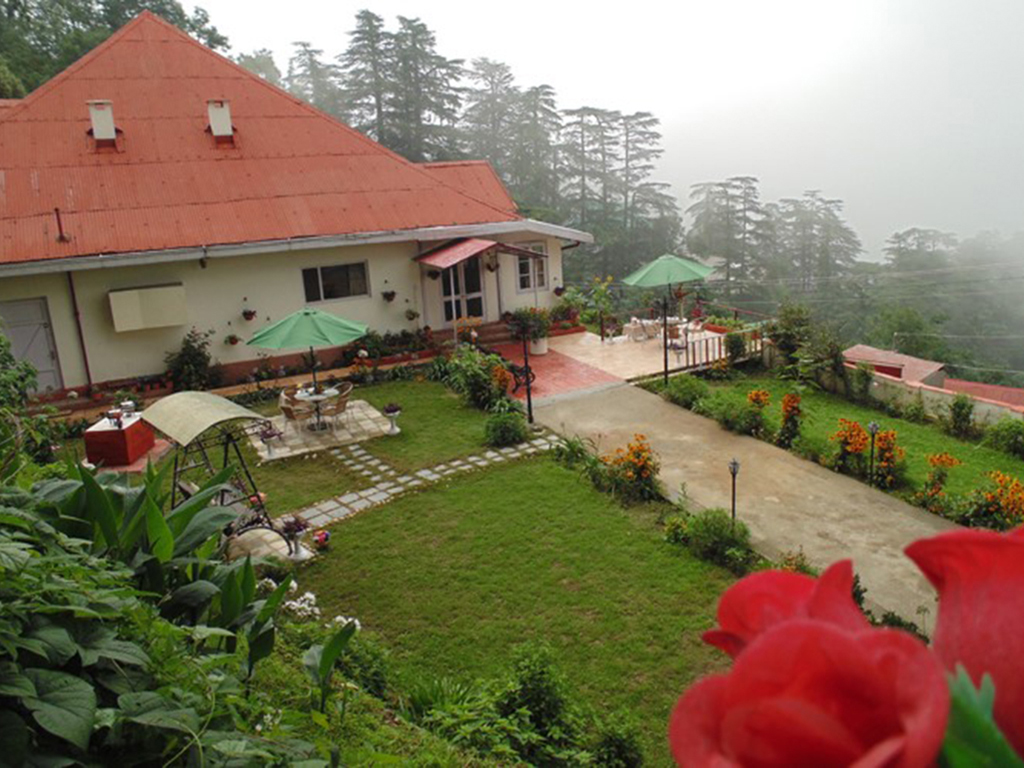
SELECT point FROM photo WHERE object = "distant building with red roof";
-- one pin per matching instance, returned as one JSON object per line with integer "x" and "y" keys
{"x": 900, "y": 366}
{"x": 154, "y": 186}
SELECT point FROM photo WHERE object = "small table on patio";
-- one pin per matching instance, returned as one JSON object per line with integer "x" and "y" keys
{"x": 316, "y": 398}
{"x": 117, "y": 444}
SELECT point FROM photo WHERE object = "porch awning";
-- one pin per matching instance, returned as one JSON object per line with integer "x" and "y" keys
{"x": 186, "y": 415}
{"x": 451, "y": 254}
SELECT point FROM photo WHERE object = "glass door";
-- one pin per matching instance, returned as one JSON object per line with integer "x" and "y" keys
{"x": 462, "y": 289}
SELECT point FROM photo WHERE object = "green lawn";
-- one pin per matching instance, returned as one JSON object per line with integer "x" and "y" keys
{"x": 436, "y": 425}
{"x": 457, "y": 575}
{"x": 822, "y": 412}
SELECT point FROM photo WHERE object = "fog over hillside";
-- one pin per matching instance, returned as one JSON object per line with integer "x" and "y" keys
{"x": 907, "y": 110}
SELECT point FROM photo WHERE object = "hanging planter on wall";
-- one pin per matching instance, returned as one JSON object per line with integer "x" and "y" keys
{"x": 232, "y": 339}
{"x": 434, "y": 274}
{"x": 388, "y": 296}
{"x": 249, "y": 314}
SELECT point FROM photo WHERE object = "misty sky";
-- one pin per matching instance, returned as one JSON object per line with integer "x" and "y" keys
{"x": 912, "y": 111}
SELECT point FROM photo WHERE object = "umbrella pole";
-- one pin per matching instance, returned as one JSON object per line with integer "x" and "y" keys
{"x": 664, "y": 333}
{"x": 312, "y": 358}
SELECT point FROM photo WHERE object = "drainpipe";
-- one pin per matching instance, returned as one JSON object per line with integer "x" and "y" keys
{"x": 78, "y": 327}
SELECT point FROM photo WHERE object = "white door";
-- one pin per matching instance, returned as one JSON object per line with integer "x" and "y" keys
{"x": 462, "y": 289}
{"x": 27, "y": 324}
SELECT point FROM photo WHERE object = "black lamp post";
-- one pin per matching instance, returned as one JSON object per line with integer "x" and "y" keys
{"x": 873, "y": 431}
{"x": 734, "y": 469}
{"x": 526, "y": 373}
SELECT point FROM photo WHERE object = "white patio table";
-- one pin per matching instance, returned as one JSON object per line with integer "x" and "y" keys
{"x": 316, "y": 398}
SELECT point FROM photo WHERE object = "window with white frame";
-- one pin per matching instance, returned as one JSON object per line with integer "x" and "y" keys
{"x": 338, "y": 281}
{"x": 532, "y": 273}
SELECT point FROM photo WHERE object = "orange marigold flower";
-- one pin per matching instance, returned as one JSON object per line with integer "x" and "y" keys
{"x": 759, "y": 398}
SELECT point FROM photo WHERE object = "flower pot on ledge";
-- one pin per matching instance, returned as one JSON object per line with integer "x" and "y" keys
{"x": 539, "y": 346}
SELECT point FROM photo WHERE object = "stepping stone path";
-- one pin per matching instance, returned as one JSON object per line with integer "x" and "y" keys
{"x": 388, "y": 483}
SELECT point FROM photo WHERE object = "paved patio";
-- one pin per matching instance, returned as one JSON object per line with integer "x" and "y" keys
{"x": 557, "y": 374}
{"x": 626, "y": 359}
{"x": 361, "y": 421}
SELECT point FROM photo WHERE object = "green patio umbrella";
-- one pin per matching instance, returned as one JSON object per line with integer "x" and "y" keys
{"x": 666, "y": 270}
{"x": 308, "y": 328}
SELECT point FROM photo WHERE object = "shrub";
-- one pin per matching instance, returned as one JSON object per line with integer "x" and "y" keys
{"x": 714, "y": 536}
{"x": 17, "y": 377}
{"x": 933, "y": 496}
{"x": 676, "y": 529}
{"x": 530, "y": 323}
{"x": 1000, "y": 506}
{"x": 915, "y": 410}
{"x": 633, "y": 472}
{"x": 797, "y": 562}
{"x": 425, "y": 696}
{"x": 1007, "y": 435}
{"x": 890, "y": 468}
{"x": 735, "y": 347}
{"x": 535, "y": 686}
{"x": 960, "y": 422}
{"x": 731, "y": 412}
{"x": 789, "y": 431}
{"x": 790, "y": 331}
{"x": 189, "y": 367}
{"x": 685, "y": 390}
{"x": 469, "y": 372}
{"x": 618, "y": 744}
{"x": 816, "y": 449}
{"x": 505, "y": 429}
{"x": 852, "y": 440}
{"x": 860, "y": 383}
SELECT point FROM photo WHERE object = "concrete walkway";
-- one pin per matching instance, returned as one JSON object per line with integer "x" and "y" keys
{"x": 788, "y": 502}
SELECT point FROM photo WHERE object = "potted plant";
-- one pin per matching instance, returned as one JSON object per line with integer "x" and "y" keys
{"x": 233, "y": 339}
{"x": 393, "y": 411}
{"x": 321, "y": 539}
{"x": 293, "y": 528}
{"x": 533, "y": 324}
{"x": 249, "y": 314}
{"x": 411, "y": 315}
{"x": 388, "y": 296}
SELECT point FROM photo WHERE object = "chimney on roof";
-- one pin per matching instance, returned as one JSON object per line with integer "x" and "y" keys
{"x": 219, "y": 111}
{"x": 101, "y": 114}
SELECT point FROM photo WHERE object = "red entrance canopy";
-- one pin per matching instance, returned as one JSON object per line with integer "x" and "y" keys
{"x": 451, "y": 254}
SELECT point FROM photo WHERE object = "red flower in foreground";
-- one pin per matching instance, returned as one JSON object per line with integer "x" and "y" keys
{"x": 762, "y": 600}
{"x": 980, "y": 579}
{"x": 808, "y": 693}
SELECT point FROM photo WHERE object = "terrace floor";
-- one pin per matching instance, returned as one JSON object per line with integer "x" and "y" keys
{"x": 623, "y": 358}
{"x": 360, "y": 422}
{"x": 557, "y": 373}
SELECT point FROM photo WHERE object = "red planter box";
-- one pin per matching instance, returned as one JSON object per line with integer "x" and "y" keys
{"x": 107, "y": 446}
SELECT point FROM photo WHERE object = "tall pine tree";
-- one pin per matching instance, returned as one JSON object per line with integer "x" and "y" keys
{"x": 368, "y": 67}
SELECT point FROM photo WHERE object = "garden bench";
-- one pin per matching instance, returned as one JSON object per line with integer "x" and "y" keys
{"x": 519, "y": 375}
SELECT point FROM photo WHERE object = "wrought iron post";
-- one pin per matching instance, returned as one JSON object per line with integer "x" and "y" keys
{"x": 873, "y": 430}
{"x": 734, "y": 469}
{"x": 526, "y": 368}
{"x": 664, "y": 334}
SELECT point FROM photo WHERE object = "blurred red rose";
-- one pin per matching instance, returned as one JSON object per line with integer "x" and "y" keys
{"x": 980, "y": 579}
{"x": 809, "y": 693}
{"x": 762, "y": 600}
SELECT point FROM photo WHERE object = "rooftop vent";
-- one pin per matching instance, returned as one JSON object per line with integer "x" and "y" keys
{"x": 220, "y": 121}
{"x": 101, "y": 113}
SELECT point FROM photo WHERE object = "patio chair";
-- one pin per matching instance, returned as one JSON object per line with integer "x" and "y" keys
{"x": 337, "y": 406}
{"x": 295, "y": 415}
{"x": 652, "y": 329}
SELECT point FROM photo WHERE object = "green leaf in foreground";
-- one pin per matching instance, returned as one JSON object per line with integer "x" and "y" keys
{"x": 64, "y": 705}
{"x": 973, "y": 740}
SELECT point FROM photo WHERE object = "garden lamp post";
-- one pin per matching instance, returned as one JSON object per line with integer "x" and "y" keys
{"x": 526, "y": 371}
{"x": 734, "y": 469}
{"x": 873, "y": 431}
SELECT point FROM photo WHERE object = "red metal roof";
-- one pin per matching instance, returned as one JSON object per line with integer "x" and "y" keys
{"x": 477, "y": 178}
{"x": 914, "y": 368}
{"x": 451, "y": 254}
{"x": 996, "y": 392}
{"x": 294, "y": 172}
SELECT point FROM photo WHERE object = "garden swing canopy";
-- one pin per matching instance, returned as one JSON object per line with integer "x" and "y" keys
{"x": 184, "y": 416}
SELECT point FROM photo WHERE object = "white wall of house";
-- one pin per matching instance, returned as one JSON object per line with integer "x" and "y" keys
{"x": 215, "y": 296}
{"x": 271, "y": 284}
